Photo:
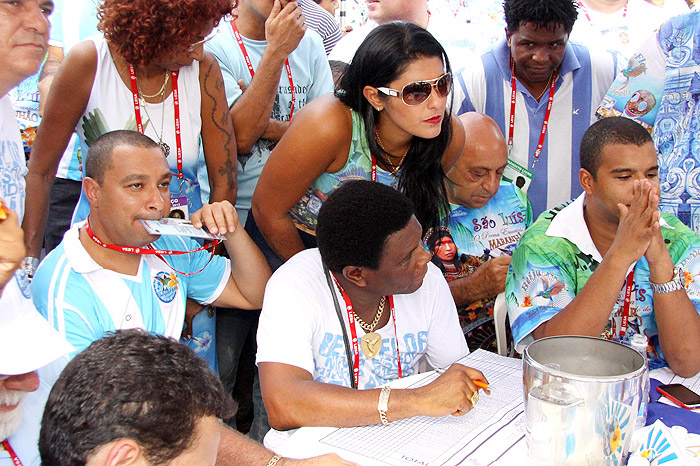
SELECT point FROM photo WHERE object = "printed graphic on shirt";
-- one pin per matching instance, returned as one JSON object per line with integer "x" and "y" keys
{"x": 165, "y": 286}
{"x": 332, "y": 363}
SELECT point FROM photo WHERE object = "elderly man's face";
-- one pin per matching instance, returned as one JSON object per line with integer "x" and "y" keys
{"x": 13, "y": 390}
{"x": 24, "y": 35}
{"x": 476, "y": 176}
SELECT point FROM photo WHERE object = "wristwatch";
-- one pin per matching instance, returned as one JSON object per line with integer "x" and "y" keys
{"x": 30, "y": 265}
{"x": 676, "y": 283}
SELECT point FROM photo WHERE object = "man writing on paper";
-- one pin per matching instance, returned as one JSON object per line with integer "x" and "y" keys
{"x": 609, "y": 263}
{"x": 372, "y": 280}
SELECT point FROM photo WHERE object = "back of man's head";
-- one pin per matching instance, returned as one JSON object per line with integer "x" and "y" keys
{"x": 130, "y": 384}
{"x": 355, "y": 222}
{"x": 98, "y": 159}
{"x": 602, "y": 133}
{"x": 542, "y": 13}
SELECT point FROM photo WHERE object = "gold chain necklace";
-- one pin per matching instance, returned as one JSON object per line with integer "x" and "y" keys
{"x": 378, "y": 315}
{"x": 546, "y": 87}
{"x": 160, "y": 92}
{"x": 163, "y": 145}
{"x": 394, "y": 168}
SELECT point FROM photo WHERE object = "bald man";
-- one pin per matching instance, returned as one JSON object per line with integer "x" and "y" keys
{"x": 487, "y": 217}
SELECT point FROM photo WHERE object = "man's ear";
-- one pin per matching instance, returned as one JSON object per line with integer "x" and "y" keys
{"x": 372, "y": 96}
{"x": 92, "y": 189}
{"x": 587, "y": 181}
{"x": 122, "y": 452}
{"x": 355, "y": 274}
{"x": 508, "y": 34}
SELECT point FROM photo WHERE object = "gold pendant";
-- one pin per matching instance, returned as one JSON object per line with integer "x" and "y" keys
{"x": 371, "y": 343}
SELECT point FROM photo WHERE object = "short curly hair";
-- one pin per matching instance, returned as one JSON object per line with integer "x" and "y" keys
{"x": 541, "y": 13}
{"x": 130, "y": 384}
{"x": 144, "y": 30}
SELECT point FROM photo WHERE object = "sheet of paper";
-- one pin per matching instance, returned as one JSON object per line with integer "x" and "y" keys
{"x": 176, "y": 227}
{"x": 480, "y": 437}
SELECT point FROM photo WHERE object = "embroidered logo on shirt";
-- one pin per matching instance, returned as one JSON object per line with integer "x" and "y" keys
{"x": 165, "y": 286}
{"x": 541, "y": 289}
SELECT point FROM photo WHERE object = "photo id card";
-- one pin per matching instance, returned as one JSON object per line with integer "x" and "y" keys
{"x": 177, "y": 227}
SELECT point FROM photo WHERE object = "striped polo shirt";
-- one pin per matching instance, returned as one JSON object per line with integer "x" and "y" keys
{"x": 322, "y": 22}
{"x": 583, "y": 80}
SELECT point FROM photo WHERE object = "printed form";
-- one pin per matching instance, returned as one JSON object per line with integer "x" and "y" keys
{"x": 486, "y": 435}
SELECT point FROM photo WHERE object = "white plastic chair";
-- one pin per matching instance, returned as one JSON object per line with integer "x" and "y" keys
{"x": 500, "y": 311}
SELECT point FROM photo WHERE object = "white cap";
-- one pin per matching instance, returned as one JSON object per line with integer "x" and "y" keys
{"x": 27, "y": 341}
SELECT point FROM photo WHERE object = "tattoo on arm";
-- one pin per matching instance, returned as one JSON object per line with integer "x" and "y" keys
{"x": 230, "y": 168}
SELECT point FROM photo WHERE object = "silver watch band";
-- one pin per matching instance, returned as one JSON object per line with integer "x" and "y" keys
{"x": 676, "y": 283}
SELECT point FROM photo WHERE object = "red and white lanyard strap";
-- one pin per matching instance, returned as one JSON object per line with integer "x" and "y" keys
{"x": 239, "y": 39}
{"x": 588, "y": 17}
{"x": 374, "y": 168}
{"x": 176, "y": 103}
{"x": 629, "y": 284}
{"x": 13, "y": 455}
{"x": 150, "y": 250}
{"x": 511, "y": 120}
{"x": 353, "y": 333}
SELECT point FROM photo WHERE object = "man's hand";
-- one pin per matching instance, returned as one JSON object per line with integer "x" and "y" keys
{"x": 491, "y": 276}
{"x": 218, "y": 217}
{"x": 192, "y": 308}
{"x": 12, "y": 250}
{"x": 638, "y": 223}
{"x": 284, "y": 28}
{"x": 450, "y": 393}
{"x": 330, "y": 459}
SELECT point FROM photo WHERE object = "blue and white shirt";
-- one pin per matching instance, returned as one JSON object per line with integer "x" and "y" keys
{"x": 659, "y": 89}
{"x": 312, "y": 78}
{"x": 82, "y": 300}
{"x": 13, "y": 165}
{"x": 584, "y": 77}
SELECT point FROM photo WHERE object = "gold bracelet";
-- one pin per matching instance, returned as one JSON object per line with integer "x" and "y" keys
{"x": 383, "y": 405}
{"x": 274, "y": 460}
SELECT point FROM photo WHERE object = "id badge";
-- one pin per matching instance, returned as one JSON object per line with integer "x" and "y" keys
{"x": 518, "y": 175}
{"x": 178, "y": 207}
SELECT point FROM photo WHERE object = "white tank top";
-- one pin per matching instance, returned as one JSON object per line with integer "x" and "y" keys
{"x": 110, "y": 108}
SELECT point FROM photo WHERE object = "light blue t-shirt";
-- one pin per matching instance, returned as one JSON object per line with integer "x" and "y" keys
{"x": 312, "y": 78}
{"x": 83, "y": 301}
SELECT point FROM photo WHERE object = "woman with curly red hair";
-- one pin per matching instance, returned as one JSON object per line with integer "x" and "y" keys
{"x": 149, "y": 73}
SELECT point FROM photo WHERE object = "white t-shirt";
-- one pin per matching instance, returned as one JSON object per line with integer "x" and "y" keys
{"x": 299, "y": 326}
{"x": 13, "y": 166}
{"x": 460, "y": 41}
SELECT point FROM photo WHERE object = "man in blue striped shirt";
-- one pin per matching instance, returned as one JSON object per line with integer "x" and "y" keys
{"x": 542, "y": 91}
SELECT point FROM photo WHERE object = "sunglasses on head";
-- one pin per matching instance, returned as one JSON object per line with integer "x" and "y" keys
{"x": 418, "y": 92}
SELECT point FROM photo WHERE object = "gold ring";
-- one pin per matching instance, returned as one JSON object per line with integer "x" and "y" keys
{"x": 474, "y": 399}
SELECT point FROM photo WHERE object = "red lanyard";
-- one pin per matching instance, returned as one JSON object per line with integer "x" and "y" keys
{"x": 151, "y": 250}
{"x": 374, "y": 168}
{"x": 626, "y": 308}
{"x": 353, "y": 333}
{"x": 13, "y": 455}
{"x": 239, "y": 39}
{"x": 588, "y": 17}
{"x": 511, "y": 122}
{"x": 176, "y": 103}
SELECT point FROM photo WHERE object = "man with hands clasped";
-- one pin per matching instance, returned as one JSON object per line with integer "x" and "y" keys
{"x": 567, "y": 270}
{"x": 364, "y": 308}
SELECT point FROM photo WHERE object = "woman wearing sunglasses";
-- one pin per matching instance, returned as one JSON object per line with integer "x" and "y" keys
{"x": 388, "y": 123}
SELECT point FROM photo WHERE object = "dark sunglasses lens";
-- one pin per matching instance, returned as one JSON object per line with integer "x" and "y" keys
{"x": 444, "y": 85}
{"x": 416, "y": 93}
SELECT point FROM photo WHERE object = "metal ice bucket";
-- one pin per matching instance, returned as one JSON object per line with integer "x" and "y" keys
{"x": 581, "y": 400}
